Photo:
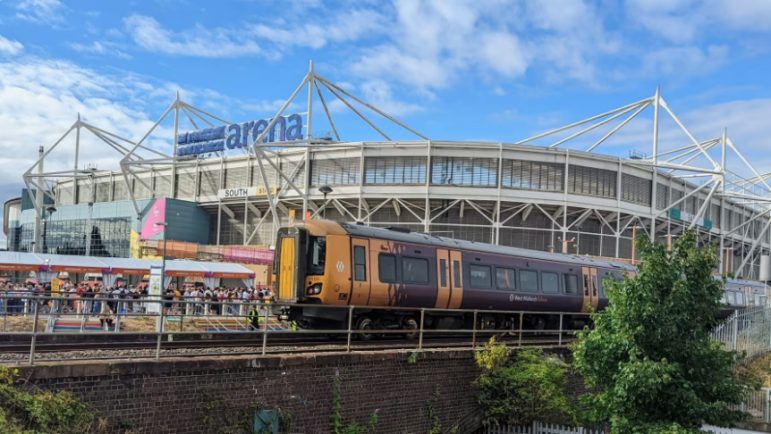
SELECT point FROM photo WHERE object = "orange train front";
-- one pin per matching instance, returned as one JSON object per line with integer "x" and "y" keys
{"x": 339, "y": 264}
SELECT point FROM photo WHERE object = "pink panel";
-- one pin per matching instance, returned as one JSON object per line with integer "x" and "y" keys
{"x": 157, "y": 214}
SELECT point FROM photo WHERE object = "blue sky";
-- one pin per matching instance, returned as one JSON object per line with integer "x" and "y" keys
{"x": 486, "y": 69}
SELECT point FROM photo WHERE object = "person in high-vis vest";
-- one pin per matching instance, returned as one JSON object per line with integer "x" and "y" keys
{"x": 254, "y": 317}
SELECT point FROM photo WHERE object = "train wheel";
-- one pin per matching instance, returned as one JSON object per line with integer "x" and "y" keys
{"x": 410, "y": 324}
{"x": 365, "y": 323}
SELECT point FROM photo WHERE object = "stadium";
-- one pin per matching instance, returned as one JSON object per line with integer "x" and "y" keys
{"x": 219, "y": 190}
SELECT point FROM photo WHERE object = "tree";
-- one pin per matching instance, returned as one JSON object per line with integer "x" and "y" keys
{"x": 23, "y": 412}
{"x": 521, "y": 391}
{"x": 649, "y": 359}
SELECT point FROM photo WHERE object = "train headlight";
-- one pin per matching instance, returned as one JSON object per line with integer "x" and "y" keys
{"x": 314, "y": 289}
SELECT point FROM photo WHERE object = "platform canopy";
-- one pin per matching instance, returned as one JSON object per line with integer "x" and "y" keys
{"x": 47, "y": 263}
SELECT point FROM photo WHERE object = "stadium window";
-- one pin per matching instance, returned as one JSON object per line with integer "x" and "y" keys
{"x": 443, "y": 272}
{"x": 528, "y": 280}
{"x": 550, "y": 282}
{"x": 505, "y": 278}
{"x": 480, "y": 277}
{"x": 415, "y": 270}
{"x": 571, "y": 284}
{"x": 456, "y": 274}
{"x": 387, "y": 268}
{"x": 359, "y": 263}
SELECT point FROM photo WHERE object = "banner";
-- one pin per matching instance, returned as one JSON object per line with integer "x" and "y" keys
{"x": 154, "y": 287}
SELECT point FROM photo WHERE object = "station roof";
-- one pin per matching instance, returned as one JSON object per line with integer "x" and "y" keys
{"x": 23, "y": 261}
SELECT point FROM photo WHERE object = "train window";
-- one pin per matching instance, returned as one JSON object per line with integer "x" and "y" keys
{"x": 571, "y": 284}
{"x": 550, "y": 282}
{"x": 528, "y": 280}
{"x": 731, "y": 298}
{"x": 317, "y": 254}
{"x": 740, "y": 299}
{"x": 387, "y": 265}
{"x": 359, "y": 263}
{"x": 456, "y": 274}
{"x": 415, "y": 270}
{"x": 443, "y": 272}
{"x": 504, "y": 278}
{"x": 480, "y": 276}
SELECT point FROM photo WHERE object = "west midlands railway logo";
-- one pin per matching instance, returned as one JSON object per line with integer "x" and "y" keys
{"x": 287, "y": 129}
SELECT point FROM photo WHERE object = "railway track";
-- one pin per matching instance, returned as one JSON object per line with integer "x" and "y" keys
{"x": 174, "y": 345}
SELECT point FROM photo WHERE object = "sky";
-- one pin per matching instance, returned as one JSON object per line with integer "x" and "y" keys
{"x": 458, "y": 70}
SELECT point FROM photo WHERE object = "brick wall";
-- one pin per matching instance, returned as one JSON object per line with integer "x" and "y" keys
{"x": 176, "y": 395}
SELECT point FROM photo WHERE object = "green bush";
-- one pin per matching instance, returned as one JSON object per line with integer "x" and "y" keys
{"x": 24, "y": 412}
{"x": 518, "y": 392}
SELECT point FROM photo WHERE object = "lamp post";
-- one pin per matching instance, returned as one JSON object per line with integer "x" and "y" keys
{"x": 50, "y": 210}
{"x": 163, "y": 255}
{"x": 325, "y": 190}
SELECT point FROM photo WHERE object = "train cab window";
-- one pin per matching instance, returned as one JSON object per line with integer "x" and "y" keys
{"x": 571, "y": 284}
{"x": 505, "y": 278}
{"x": 480, "y": 276}
{"x": 415, "y": 270}
{"x": 740, "y": 299}
{"x": 731, "y": 298}
{"x": 528, "y": 280}
{"x": 359, "y": 263}
{"x": 456, "y": 274}
{"x": 317, "y": 255}
{"x": 550, "y": 282}
{"x": 386, "y": 264}
{"x": 443, "y": 272}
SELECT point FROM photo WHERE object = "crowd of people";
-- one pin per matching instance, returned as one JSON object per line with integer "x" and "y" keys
{"x": 95, "y": 299}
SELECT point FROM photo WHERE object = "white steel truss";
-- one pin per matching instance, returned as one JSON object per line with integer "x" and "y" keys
{"x": 715, "y": 170}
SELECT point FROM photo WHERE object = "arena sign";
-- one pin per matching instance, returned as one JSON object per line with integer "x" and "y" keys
{"x": 233, "y": 136}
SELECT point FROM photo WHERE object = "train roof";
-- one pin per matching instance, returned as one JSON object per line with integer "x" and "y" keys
{"x": 451, "y": 243}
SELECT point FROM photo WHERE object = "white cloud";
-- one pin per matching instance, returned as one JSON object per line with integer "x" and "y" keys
{"x": 379, "y": 94}
{"x": 9, "y": 46}
{"x": 40, "y": 11}
{"x": 682, "y": 62}
{"x": 347, "y": 26}
{"x": 99, "y": 48}
{"x": 199, "y": 41}
{"x": 683, "y": 21}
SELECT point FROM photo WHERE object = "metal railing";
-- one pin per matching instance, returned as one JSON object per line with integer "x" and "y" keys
{"x": 747, "y": 331}
{"x": 169, "y": 325}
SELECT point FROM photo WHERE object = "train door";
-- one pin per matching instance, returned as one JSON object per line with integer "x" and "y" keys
{"x": 442, "y": 278}
{"x": 591, "y": 289}
{"x": 456, "y": 280}
{"x": 360, "y": 272}
{"x": 287, "y": 269}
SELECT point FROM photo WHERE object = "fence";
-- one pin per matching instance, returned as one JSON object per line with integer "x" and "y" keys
{"x": 747, "y": 331}
{"x": 541, "y": 428}
{"x": 32, "y": 321}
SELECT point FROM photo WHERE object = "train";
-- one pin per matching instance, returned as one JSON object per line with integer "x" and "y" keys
{"x": 322, "y": 264}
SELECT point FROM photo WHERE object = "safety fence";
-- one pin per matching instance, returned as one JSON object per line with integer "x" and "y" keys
{"x": 545, "y": 428}
{"x": 31, "y": 322}
{"x": 541, "y": 428}
{"x": 747, "y": 331}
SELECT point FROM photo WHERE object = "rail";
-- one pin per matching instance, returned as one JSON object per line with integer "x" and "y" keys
{"x": 747, "y": 331}
{"x": 43, "y": 328}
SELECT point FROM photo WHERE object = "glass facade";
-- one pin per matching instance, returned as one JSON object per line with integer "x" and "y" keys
{"x": 395, "y": 170}
{"x": 635, "y": 189}
{"x": 109, "y": 237}
{"x": 532, "y": 175}
{"x": 591, "y": 181}
{"x": 480, "y": 172}
{"x": 339, "y": 171}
